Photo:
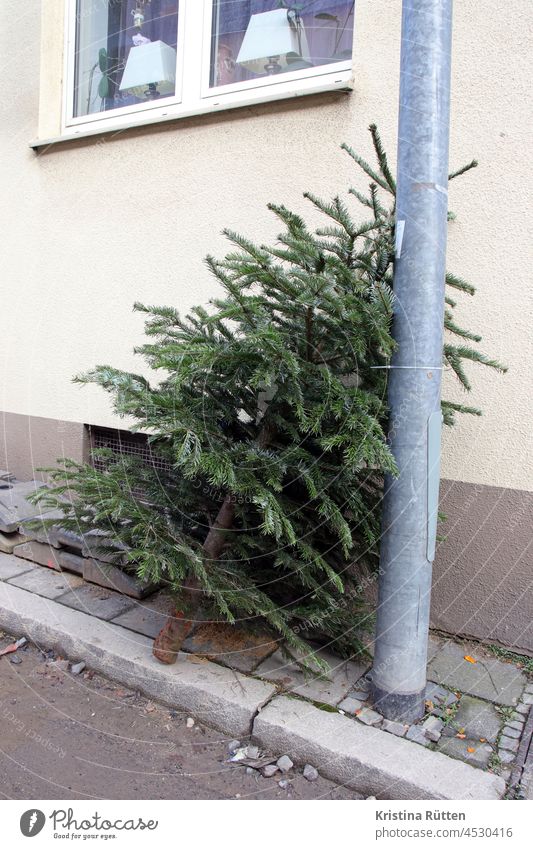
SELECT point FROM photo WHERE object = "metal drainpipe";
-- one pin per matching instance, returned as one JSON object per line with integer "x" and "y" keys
{"x": 411, "y": 500}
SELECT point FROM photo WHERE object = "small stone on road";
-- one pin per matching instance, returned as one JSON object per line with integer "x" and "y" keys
{"x": 310, "y": 772}
{"x": 285, "y": 763}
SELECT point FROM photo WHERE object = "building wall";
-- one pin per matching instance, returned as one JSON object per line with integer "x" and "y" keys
{"x": 94, "y": 225}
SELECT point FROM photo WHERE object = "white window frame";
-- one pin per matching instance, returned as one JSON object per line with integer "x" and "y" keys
{"x": 193, "y": 94}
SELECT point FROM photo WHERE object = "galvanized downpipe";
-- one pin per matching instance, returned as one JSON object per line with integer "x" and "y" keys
{"x": 411, "y": 500}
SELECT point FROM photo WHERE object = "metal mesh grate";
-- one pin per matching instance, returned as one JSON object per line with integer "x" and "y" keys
{"x": 123, "y": 443}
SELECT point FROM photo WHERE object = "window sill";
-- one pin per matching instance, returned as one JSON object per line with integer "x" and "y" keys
{"x": 342, "y": 82}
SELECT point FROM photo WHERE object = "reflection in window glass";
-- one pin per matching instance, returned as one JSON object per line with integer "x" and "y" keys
{"x": 259, "y": 38}
{"x": 125, "y": 53}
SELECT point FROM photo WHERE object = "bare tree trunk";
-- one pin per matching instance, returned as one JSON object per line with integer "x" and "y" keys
{"x": 171, "y": 637}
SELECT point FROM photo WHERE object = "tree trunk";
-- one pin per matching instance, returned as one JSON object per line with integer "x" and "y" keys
{"x": 171, "y": 637}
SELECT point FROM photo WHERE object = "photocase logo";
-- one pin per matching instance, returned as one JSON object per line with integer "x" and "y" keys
{"x": 32, "y": 822}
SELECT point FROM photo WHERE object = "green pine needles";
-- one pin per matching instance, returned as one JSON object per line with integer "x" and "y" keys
{"x": 271, "y": 413}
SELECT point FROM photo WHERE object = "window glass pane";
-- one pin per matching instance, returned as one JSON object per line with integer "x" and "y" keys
{"x": 125, "y": 53}
{"x": 259, "y": 38}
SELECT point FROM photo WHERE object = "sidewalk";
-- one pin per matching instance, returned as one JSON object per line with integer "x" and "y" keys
{"x": 473, "y": 742}
{"x": 467, "y": 746}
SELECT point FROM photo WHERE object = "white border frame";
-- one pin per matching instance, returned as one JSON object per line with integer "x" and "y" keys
{"x": 193, "y": 71}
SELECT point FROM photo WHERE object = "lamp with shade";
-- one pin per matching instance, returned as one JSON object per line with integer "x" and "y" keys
{"x": 273, "y": 42}
{"x": 150, "y": 71}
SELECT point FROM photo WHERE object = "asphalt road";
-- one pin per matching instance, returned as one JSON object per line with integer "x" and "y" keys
{"x": 83, "y": 737}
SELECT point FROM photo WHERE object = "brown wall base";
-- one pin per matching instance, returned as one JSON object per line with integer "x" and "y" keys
{"x": 483, "y": 573}
{"x": 29, "y": 442}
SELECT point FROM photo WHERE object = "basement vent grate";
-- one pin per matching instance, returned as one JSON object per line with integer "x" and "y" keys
{"x": 124, "y": 444}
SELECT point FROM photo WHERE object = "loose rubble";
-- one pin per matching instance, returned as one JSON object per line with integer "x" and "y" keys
{"x": 310, "y": 773}
{"x": 284, "y": 763}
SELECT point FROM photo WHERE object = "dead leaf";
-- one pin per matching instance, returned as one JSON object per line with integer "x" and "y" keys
{"x": 470, "y": 749}
{"x": 469, "y": 658}
{"x": 196, "y": 658}
{"x": 461, "y": 736}
{"x": 482, "y": 739}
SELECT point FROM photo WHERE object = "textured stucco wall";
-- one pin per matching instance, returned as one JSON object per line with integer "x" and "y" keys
{"x": 95, "y": 225}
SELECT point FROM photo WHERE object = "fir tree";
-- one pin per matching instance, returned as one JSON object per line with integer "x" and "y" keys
{"x": 272, "y": 417}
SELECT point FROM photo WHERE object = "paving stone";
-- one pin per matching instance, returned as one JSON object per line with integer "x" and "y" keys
{"x": 505, "y": 756}
{"x": 97, "y": 544}
{"x": 362, "y": 688}
{"x": 9, "y": 541}
{"x": 70, "y": 539}
{"x": 518, "y": 725}
{"x": 350, "y": 705}
{"x": 360, "y": 695}
{"x": 365, "y": 758}
{"x": 14, "y": 506}
{"x": 96, "y": 601}
{"x": 38, "y": 552}
{"x": 46, "y": 582}
{"x": 109, "y": 576}
{"x": 434, "y": 645}
{"x": 433, "y": 728}
{"x": 11, "y": 566}
{"x": 416, "y": 734}
{"x": 230, "y": 645}
{"x": 478, "y": 718}
{"x": 522, "y": 708}
{"x": 509, "y": 731}
{"x": 490, "y": 679}
{"x": 508, "y": 743}
{"x": 330, "y": 690}
{"x": 148, "y": 616}
{"x": 456, "y": 748}
{"x": 529, "y": 688}
{"x": 71, "y": 562}
{"x": 395, "y": 728}
{"x": 440, "y": 697}
{"x": 41, "y": 532}
{"x": 527, "y": 698}
{"x": 369, "y": 717}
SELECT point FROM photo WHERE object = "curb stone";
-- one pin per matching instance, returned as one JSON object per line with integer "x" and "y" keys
{"x": 214, "y": 694}
{"x": 367, "y": 759}
{"x": 364, "y": 758}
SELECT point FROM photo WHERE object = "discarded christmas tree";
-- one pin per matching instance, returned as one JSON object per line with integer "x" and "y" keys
{"x": 272, "y": 419}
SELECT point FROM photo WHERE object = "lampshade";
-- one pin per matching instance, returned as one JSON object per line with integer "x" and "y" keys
{"x": 270, "y": 34}
{"x": 150, "y": 64}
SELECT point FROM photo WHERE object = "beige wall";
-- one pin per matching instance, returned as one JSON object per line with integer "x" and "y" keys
{"x": 95, "y": 225}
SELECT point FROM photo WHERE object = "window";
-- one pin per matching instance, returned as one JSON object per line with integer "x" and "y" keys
{"x": 125, "y": 55}
{"x": 157, "y": 59}
{"x": 253, "y": 40}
